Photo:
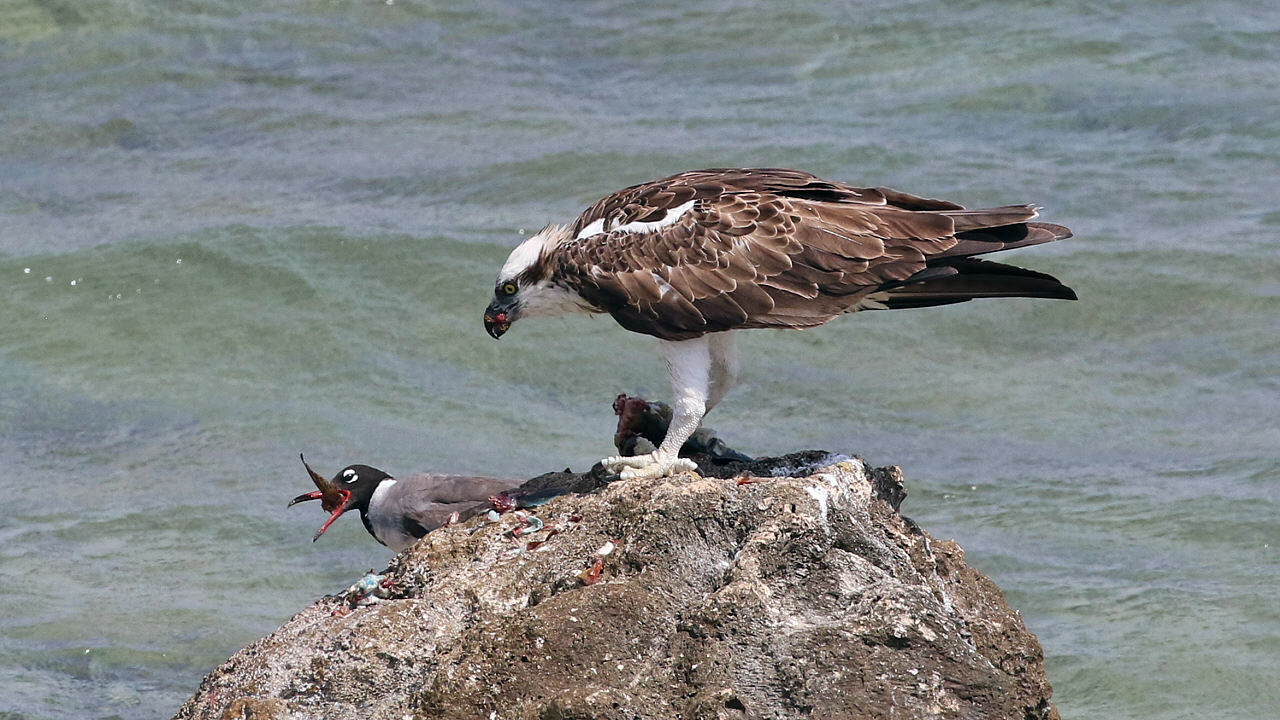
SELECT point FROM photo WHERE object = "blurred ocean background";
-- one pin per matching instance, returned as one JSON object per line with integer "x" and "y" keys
{"x": 231, "y": 232}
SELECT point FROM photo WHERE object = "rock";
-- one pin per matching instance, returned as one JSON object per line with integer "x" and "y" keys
{"x": 786, "y": 597}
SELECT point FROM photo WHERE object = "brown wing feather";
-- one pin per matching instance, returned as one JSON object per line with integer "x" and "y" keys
{"x": 778, "y": 248}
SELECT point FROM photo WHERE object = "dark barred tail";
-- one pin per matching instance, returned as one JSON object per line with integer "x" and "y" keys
{"x": 965, "y": 279}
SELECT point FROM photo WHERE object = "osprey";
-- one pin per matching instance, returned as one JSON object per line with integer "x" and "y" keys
{"x": 696, "y": 256}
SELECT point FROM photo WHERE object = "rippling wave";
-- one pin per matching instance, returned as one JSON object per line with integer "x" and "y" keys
{"x": 230, "y": 235}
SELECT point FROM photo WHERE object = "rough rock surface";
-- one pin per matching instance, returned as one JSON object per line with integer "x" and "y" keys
{"x": 789, "y": 597}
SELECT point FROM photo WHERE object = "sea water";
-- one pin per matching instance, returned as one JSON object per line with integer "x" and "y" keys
{"x": 230, "y": 233}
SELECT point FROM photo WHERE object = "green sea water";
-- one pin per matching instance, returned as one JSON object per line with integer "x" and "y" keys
{"x": 230, "y": 233}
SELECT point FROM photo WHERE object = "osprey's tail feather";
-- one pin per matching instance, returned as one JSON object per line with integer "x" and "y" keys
{"x": 977, "y": 238}
{"x": 963, "y": 279}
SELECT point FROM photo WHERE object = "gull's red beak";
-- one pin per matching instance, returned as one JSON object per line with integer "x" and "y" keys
{"x": 332, "y": 498}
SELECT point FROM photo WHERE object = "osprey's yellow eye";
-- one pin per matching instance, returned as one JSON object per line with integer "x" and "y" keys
{"x": 509, "y": 289}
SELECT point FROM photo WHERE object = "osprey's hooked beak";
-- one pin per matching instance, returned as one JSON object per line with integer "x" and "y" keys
{"x": 499, "y": 316}
{"x": 332, "y": 498}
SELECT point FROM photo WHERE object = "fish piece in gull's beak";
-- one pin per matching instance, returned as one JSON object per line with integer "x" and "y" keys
{"x": 332, "y": 498}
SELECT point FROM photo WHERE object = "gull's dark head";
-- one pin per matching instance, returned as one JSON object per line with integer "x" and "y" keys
{"x": 351, "y": 489}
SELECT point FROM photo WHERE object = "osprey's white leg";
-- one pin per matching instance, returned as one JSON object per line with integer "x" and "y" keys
{"x": 689, "y": 364}
{"x": 724, "y": 367}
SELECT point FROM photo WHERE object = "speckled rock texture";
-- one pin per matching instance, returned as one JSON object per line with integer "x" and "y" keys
{"x": 799, "y": 594}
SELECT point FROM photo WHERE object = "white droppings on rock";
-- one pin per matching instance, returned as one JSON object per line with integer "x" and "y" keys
{"x": 821, "y": 496}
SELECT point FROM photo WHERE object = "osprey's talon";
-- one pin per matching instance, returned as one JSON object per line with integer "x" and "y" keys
{"x": 656, "y": 465}
{"x": 616, "y": 463}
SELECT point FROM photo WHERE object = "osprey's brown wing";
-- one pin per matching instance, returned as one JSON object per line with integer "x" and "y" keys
{"x": 714, "y": 250}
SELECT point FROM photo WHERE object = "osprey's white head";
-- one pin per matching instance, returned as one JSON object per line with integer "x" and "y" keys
{"x": 527, "y": 286}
